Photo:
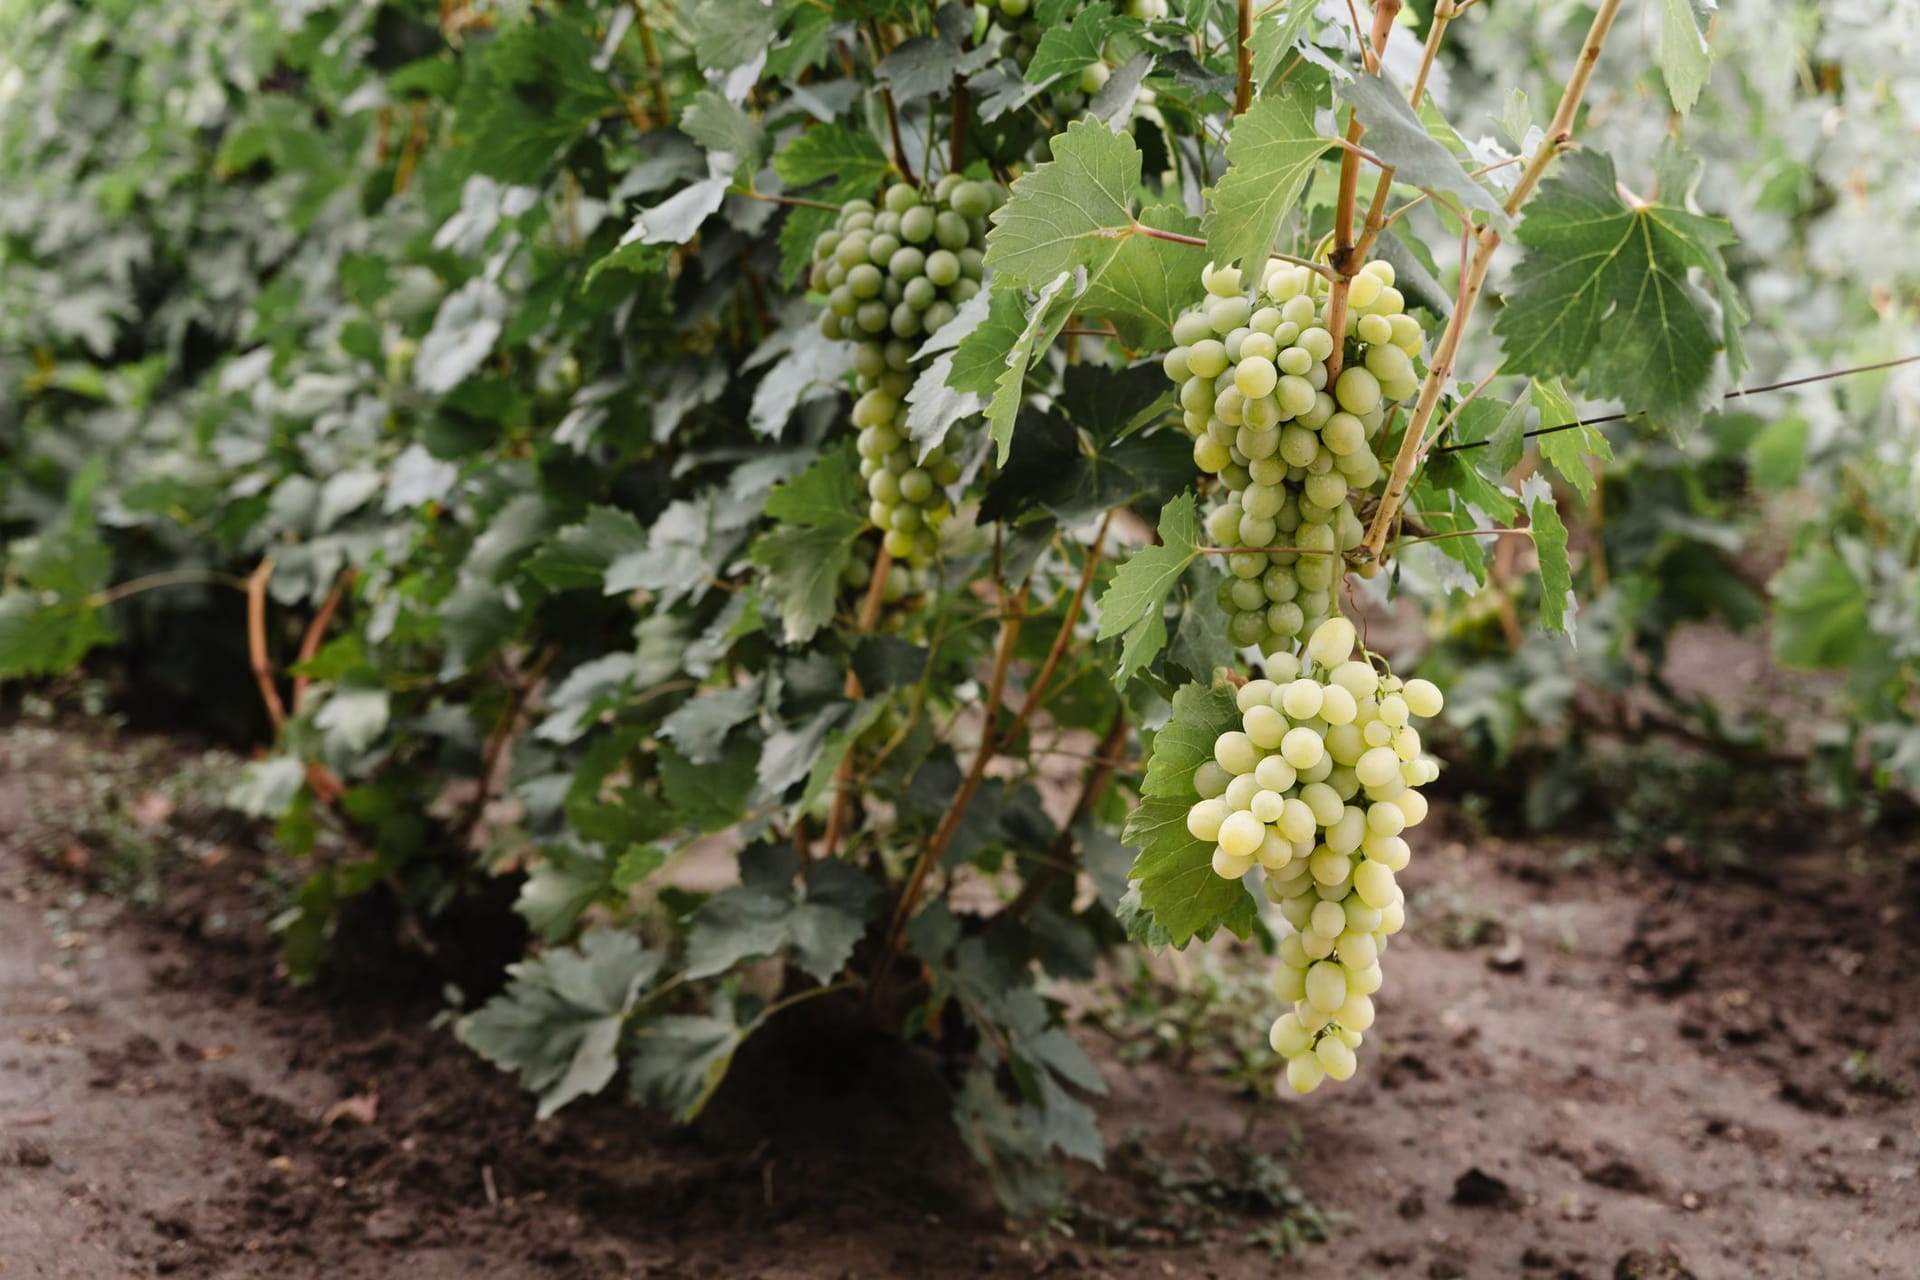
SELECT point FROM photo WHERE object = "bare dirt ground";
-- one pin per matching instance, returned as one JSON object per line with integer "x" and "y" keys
{"x": 1583, "y": 1068}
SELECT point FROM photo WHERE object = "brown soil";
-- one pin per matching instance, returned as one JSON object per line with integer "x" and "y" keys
{"x": 1597, "y": 1069}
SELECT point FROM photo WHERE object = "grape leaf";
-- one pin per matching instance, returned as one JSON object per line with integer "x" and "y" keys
{"x": 1397, "y": 135}
{"x": 1557, "y": 602}
{"x": 1045, "y": 318}
{"x": 1069, "y": 50}
{"x": 821, "y": 510}
{"x": 724, "y": 129}
{"x": 1685, "y": 60}
{"x": 559, "y": 1021}
{"x": 832, "y": 153}
{"x": 1270, "y": 156}
{"x": 708, "y": 797}
{"x": 1603, "y": 289}
{"x": 1274, "y": 35}
{"x": 1819, "y": 612}
{"x": 699, "y": 726}
{"x": 1134, "y": 604}
{"x": 1072, "y": 211}
{"x": 1567, "y": 451}
{"x": 820, "y": 918}
{"x": 680, "y": 1060}
{"x": 577, "y": 557}
{"x": 728, "y": 33}
{"x": 1148, "y": 282}
{"x": 1178, "y": 886}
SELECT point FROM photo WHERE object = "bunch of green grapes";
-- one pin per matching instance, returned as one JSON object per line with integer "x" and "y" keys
{"x": 893, "y": 275}
{"x": 1292, "y": 451}
{"x": 903, "y": 579}
{"x": 1316, "y": 787}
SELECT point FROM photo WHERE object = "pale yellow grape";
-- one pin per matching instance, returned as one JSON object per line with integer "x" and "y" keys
{"x": 1357, "y": 678}
{"x": 1393, "y": 710}
{"x": 1374, "y": 329}
{"x": 1236, "y": 752}
{"x": 1392, "y": 852}
{"x": 1362, "y": 292}
{"x": 1365, "y": 981}
{"x": 1345, "y": 835}
{"x": 1210, "y": 779}
{"x": 1296, "y": 395}
{"x": 1392, "y": 790}
{"x": 1274, "y": 774}
{"x": 1331, "y": 642}
{"x": 1211, "y": 456}
{"x": 1386, "y": 818}
{"x": 1345, "y": 744}
{"x": 1304, "y": 1073}
{"x": 1338, "y": 890}
{"x": 1407, "y": 334}
{"x": 1389, "y": 364}
{"x": 1341, "y": 779}
{"x": 1205, "y": 819}
{"x": 1394, "y": 918}
{"x": 1301, "y": 699}
{"x": 1289, "y": 952}
{"x": 1324, "y": 801}
{"x": 1318, "y": 342}
{"x": 1287, "y": 1036}
{"x": 1357, "y": 1013}
{"x": 1357, "y": 950}
{"x": 1221, "y": 282}
{"x": 1207, "y": 358}
{"x": 1311, "y": 1018}
{"x": 1275, "y": 852}
{"x": 1302, "y": 748}
{"x": 1190, "y": 328}
{"x": 1267, "y": 806}
{"x": 1316, "y": 945}
{"x": 1380, "y": 269}
{"x": 1174, "y": 363}
{"x": 1289, "y": 985}
{"x": 1229, "y": 867}
{"x": 1329, "y": 866}
{"x": 1296, "y": 907}
{"x": 1338, "y": 1060}
{"x": 1374, "y": 732}
{"x": 1406, "y": 744}
{"x": 1377, "y": 768}
{"x": 1264, "y": 727}
{"x": 1373, "y": 881}
{"x": 1259, "y": 343}
{"x": 1240, "y": 792}
{"x": 1361, "y": 918}
{"x": 1241, "y": 834}
{"x": 1296, "y": 820}
{"x": 1357, "y": 390}
{"x": 1328, "y": 920}
{"x": 1423, "y": 698}
{"x": 1413, "y": 807}
{"x": 1326, "y": 986}
{"x": 1283, "y": 666}
{"x": 1337, "y": 706}
{"x": 1255, "y": 693}
{"x": 1255, "y": 376}
{"x": 1228, "y": 314}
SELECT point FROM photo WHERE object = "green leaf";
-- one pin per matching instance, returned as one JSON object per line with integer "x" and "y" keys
{"x": 679, "y": 1061}
{"x": 823, "y": 513}
{"x": 1178, "y": 887}
{"x": 1557, "y": 602}
{"x": 537, "y": 94}
{"x": 558, "y": 888}
{"x": 1045, "y": 318}
{"x": 1685, "y": 60}
{"x": 577, "y": 557}
{"x": 1148, "y": 282}
{"x": 636, "y": 865}
{"x": 820, "y": 918}
{"x": 1397, "y": 135}
{"x": 1134, "y": 603}
{"x": 700, "y": 726}
{"x": 1819, "y": 612}
{"x": 1603, "y": 289}
{"x": 558, "y": 1023}
{"x": 1069, "y": 50}
{"x": 1070, "y": 212}
{"x": 847, "y": 158}
{"x": 1567, "y": 451}
{"x": 1274, "y": 34}
{"x": 728, "y": 33}
{"x": 353, "y": 718}
{"x": 464, "y": 331}
{"x": 723, "y": 128}
{"x": 1270, "y": 155}
{"x": 708, "y": 797}
{"x": 1778, "y": 453}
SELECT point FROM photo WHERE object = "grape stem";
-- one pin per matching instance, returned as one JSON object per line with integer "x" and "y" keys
{"x": 1559, "y": 136}
{"x": 1344, "y": 261}
{"x": 650, "y": 54}
{"x": 1320, "y": 269}
{"x": 1038, "y": 684}
{"x": 800, "y": 201}
{"x": 1243, "y": 60}
{"x": 173, "y": 578}
{"x": 1377, "y": 219}
{"x": 843, "y": 775}
{"x": 317, "y": 630}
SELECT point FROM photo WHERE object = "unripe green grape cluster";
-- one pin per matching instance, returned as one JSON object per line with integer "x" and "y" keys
{"x": 1316, "y": 788}
{"x": 902, "y": 269}
{"x": 893, "y": 275}
{"x": 903, "y": 579}
{"x": 1292, "y": 450}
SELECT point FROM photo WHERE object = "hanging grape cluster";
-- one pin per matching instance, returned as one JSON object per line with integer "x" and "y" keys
{"x": 1322, "y": 777}
{"x": 891, "y": 276}
{"x": 1292, "y": 451}
{"x": 1316, "y": 787}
